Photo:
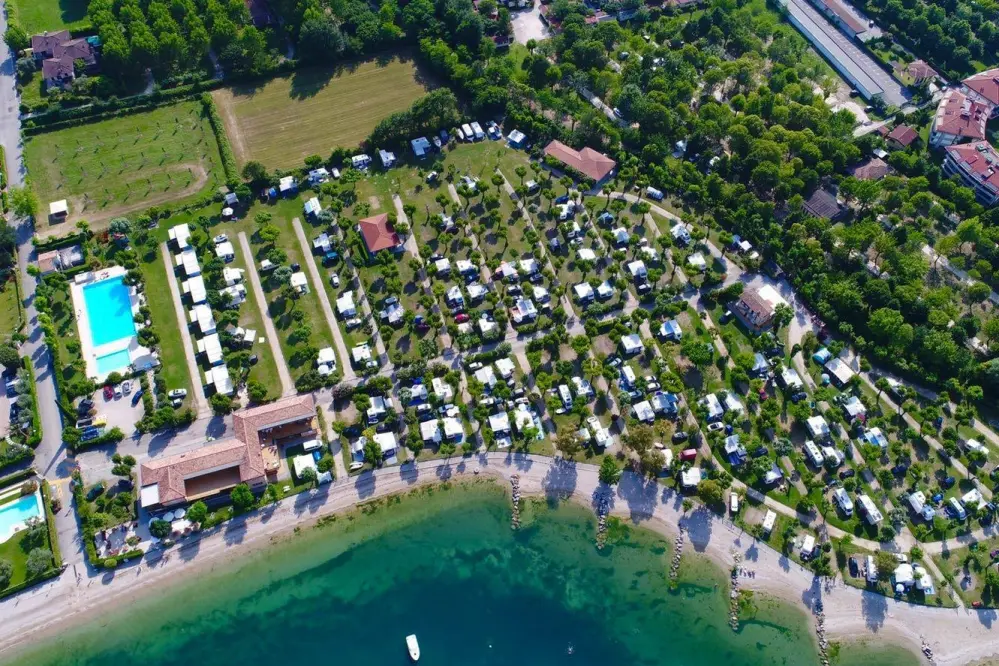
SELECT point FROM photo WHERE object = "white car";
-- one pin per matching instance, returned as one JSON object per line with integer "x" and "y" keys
{"x": 334, "y": 279}
{"x": 126, "y": 387}
{"x": 177, "y": 393}
{"x": 716, "y": 426}
{"x": 352, "y": 323}
{"x": 221, "y": 238}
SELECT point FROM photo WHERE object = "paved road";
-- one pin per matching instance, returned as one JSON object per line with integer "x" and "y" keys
{"x": 324, "y": 301}
{"x": 197, "y": 383}
{"x": 287, "y": 385}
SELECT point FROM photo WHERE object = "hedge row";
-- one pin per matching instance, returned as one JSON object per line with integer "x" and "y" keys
{"x": 3, "y": 168}
{"x": 51, "y": 338}
{"x": 46, "y": 244}
{"x": 17, "y": 477}
{"x": 112, "y": 436}
{"x": 50, "y": 523}
{"x": 20, "y": 587}
{"x": 36, "y": 419}
{"x": 225, "y": 150}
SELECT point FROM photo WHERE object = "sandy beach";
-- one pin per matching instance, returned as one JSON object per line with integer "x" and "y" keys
{"x": 957, "y": 636}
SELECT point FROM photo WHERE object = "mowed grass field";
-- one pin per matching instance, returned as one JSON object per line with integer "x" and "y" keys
{"x": 311, "y": 112}
{"x": 40, "y": 15}
{"x": 125, "y": 165}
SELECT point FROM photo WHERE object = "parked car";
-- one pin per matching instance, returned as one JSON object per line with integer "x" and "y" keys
{"x": 475, "y": 365}
{"x": 117, "y": 391}
{"x": 798, "y": 397}
{"x": 847, "y": 474}
{"x": 760, "y": 451}
{"x": 136, "y": 397}
{"x": 948, "y": 482}
{"x": 108, "y": 392}
{"x": 613, "y": 361}
{"x": 854, "y": 567}
{"x": 353, "y": 322}
{"x": 221, "y": 238}
{"x": 177, "y": 393}
{"x": 85, "y": 406}
{"x": 126, "y": 387}
{"x": 715, "y": 427}
{"x": 461, "y": 318}
{"x": 680, "y": 436}
{"x": 334, "y": 279}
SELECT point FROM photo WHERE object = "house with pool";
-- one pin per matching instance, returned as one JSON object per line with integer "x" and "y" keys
{"x": 17, "y": 510}
{"x": 105, "y": 309}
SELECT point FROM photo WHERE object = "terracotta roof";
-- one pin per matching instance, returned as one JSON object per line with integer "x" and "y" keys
{"x": 75, "y": 49}
{"x": 58, "y": 68}
{"x": 874, "y": 168}
{"x": 903, "y": 135}
{"x": 378, "y": 233}
{"x": 958, "y": 115}
{"x": 44, "y": 43}
{"x": 242, "y": 450}
{"x": 844, "y": 15}
{"x": 980, "y": 160}
{"x": 985, "y": 84}
{"x": 587, "y": 161}
{"x": 919, "y": 70}
{"x": 169, "y": 473}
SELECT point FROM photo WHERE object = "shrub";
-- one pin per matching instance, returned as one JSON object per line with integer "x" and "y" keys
{"x": 197, "y": 512}
{"x": 159, "y": 529}
{"x": 39, "y": 561}
{"x": 242, "y": 497}
{"x": 6, "y": 571}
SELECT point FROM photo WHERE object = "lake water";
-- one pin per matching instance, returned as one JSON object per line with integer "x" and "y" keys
{"x": 444, "y": 564}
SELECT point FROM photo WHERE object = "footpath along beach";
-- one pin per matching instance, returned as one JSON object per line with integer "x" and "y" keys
{"x": 955, "y": 636}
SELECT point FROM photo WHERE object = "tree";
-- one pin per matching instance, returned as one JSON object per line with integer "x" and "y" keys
{"x": 23, "y": 201}
{"x": 309, "y": 476}
{"x": 254, "y": 171}
{"x": 580, "y": 344}
{"x": 221, "y": 404}
{"x": 6, "y": 571}
{"x": 39, "y": 561}
{"x": 782, "y": 315}
{"x": 609, "y": 472}
{"x": 639, "y": 439}
{"x": 710, "y": 492}
{"x": 886, "y": 563}
{"x": 159, "y": 528}
{"x": 567, "y": 443}
{"x": 256, "y": 390}
{"x": 17, "y": 39}
{"x": 992, "y": 579}
{"x": 9, "y": 358}
{"x": 696, "y": 351}
{"x": 373, "y": 453}
{"x": 197, "y": 512}
{"x": 320, "y": 40}
{"x": 242, "y": 497}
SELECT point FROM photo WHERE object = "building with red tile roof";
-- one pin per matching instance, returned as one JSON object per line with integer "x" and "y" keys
{"x": 977, "y": 164}
{"x": 841, "y": 16}
{"x": 983, "y": 87}
{"x": 43, "y": 45}
{"x": 249, "y": 456}
{"x": 874, "y": 168}
{"x": 588, "y": 162}
{"x": 378, "y": 233}
{"x": 920, "y": 71}
{"x": 958, "y": 117}
{"x": 902, "y": 136}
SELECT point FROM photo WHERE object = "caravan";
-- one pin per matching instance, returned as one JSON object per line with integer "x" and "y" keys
{"x": 466, "y": 129}
{"x": 477, "y": 131}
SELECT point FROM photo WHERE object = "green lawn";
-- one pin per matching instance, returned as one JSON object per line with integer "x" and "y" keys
{"x": 10, "y": 309}
{"x": 41, "y": 15}
{"x": 125, "y": 165}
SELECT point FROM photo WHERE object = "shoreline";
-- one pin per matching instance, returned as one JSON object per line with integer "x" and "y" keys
{"x": 850, "y": 613}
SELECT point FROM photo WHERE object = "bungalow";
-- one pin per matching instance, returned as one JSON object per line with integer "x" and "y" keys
{"x": 650, "y": 253}
{"x": 670, "y": 331}
{"x": 854, "y": 409}
{"x": 211, "y": 348}
{"x": 621, "y": 236}
{"x": 392, "y": 314}
{"x": 499, "y": 423}
{"x": 583, "y": 292}
{"x": 638, "y": 271}
{"x": 605, "y": 218}
{"x": 644, "y": 412}
{"x": 442, "y": 267}
{"x": 322, "y": 243}
{"x": 387, "y": 158}
{"x": 516, "y": 138}
{"x": 524, "y": 418}
{"x": 232, "y": 275}
{"x": 824, "y": 205}
{"x": 345, "y": 305}
{"x": 417, "y": 393}
{"x": 973, "y": 498}
{"x": 667, "y": 404}
{"x": 605, "y": 291}
{"x": 839, "y": 372}
{"x": 732, "y": 404}
{"x": 188, "y": 261}
{"x": 756, "y": 307}
{"x": 287, "y": 186}
{"x": 218, "y": 378}
{"x": 299, "y": 282}
{"x": 442, "y": 389}
{"x": 821, "y": 356}
{"x": 361, "y": 354}
{"x": 902, "y": 136}
{"x": 181, "y": 236}
{"x": 761, "y": 368}
{"x": 842, "y": 499}
{"x": 697, "y": 262}
{"x": 973, "y": 445}
{"x": 529, "y": 267}
{"x": 735, "y": 452}
{"x": 817, "y": 428}
{"x": 360, "y": 162}
{"x": 466, "y": 268}
{"x": 565, "y": 395}
{"x": 380, "y": 406}
{"x": 326, "y": 361}
{"x": 486, "y": 324}
{"x": 524, "y": 311}
{"x": 714, "y": 409}
{"x": 318, "y": 176}
{"x": 869, "y": 510}
{"x": 586, "y": 254}
{"x": 420, "y": 147}
{"x": 790, "y": 379}
{"x": 312, "y": 207}
{"x": 476, "y": 292}
{"x": 587, "y": 162}
{"x": 541, "y": 295}
{"x": 504, "y": 367}
{"x": 60, "y": 55}
{"x": 506, "y": 272}
{"x": 917, "y": 501}
{"x": 681, "y": 234}
{"x": 195, "y": 288}
{"x": 378, "y": 233}
{"x": 832, "y": 457}
{"x": 454, "y": 298}
{"x": 486, "y": 376}
{"x": 632, "y": 344}
{"x": 773, "y": 477}
{"x": 583, "y": 388}
{"x": 690, "y": 478}
{"x": 236, "y": 294}
{"x": 201, "y": 317}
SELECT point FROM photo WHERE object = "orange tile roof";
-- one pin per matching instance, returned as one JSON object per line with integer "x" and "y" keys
{"x": 985, "y": 84}
{"x": 378, "y": 233}
{"x": 587, "y": 161}
{"x": 904, "y": 135}
{"x": 958, "y": 115}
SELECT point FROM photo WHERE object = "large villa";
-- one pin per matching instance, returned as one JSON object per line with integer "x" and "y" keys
{"x": 252, "y": 455}
{"x": 961, "y": 116}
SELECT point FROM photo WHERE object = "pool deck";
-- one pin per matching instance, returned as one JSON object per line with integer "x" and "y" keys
{"x": 139, "y": 356}
{"x": 18, "y": 526}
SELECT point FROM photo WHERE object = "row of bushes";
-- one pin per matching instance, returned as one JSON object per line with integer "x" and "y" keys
{"x": 17, "y": 477}
{"x": 225, "y": 150}
{"x": 51, "y": 524}
{"x": 58, "y": 242}
{"x": 71, "y": 438}
{"x": 501, "y": 351}
{"x": 36, "y": 419}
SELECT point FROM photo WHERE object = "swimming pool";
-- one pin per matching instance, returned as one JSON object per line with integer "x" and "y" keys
{"x": 113, "y": 362}
{"x": 109, "y": 310}
{"x": 13, "y": 515}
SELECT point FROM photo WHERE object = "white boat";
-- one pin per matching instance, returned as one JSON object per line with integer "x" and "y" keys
{"x": 413, "y": 647}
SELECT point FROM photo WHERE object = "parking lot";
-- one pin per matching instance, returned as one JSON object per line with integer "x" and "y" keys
{"x": 119, "y": 412}
{"x": 528, "y": 25}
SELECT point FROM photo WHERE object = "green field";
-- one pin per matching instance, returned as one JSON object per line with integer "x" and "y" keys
{"x": 312, "y": 112}
{"x": 125, "y": 165}
{"x": 40, "y": 15}
{"x": 10, "y": 312}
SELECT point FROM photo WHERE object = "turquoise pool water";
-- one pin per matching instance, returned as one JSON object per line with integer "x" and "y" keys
{"x": 109, "y": 311}
{"x": 13, "y": 514}
{"x": 116, "y": 361}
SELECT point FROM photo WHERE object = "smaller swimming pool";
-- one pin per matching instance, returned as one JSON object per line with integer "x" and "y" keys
{"x": 113, "y": 362}
{"x": 13, "y": 515}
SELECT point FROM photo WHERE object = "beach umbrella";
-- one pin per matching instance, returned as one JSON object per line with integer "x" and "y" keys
{"x": 168, "y": 516}
{"x": 180, "y": 513}
{"x": 900, "y": 588}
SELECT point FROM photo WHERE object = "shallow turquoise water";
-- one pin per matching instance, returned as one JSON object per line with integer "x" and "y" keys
{"x": 447, "y": 567}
